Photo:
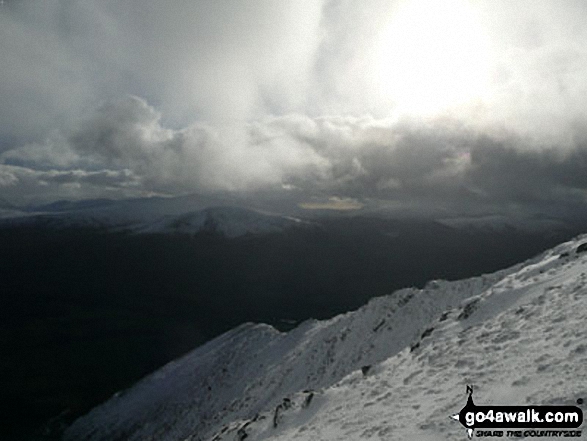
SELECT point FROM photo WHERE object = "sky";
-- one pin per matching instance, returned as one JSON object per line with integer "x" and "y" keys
{"x": 460, "y": 106}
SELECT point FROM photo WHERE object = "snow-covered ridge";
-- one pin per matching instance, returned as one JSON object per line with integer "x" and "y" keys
{"x": 227, "y": 220}
{"x": 394, "y": 369}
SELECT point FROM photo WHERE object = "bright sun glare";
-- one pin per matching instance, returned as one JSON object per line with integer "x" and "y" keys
{"x": 434, "y": 56}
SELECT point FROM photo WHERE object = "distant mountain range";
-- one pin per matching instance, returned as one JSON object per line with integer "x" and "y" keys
{"x": 96, "y": 294}
{"x": 187, "y": 215}
{"x": 236, "y": 216}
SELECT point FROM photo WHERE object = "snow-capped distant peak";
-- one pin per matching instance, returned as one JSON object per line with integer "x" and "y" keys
{"x": 153, "y": 215}
{"x": 230, "y": 221}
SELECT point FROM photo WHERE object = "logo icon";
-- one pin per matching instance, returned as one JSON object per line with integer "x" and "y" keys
{"x": 547, "y": 418}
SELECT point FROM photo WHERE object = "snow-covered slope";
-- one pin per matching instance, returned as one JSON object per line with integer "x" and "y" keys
{"x": 394, "y": 369}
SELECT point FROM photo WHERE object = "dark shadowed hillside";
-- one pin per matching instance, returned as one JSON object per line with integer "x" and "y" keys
{"x": 86, "y": 312}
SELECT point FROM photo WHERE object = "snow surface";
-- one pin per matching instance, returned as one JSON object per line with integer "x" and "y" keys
{"x": 393, "y": 370}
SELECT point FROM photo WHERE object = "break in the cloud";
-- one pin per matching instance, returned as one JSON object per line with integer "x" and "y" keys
{"x": 475, "y": 106}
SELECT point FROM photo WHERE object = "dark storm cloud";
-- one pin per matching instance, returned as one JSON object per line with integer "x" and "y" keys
{"x": 504, "y": 173}
{"x": 448, "y": 166}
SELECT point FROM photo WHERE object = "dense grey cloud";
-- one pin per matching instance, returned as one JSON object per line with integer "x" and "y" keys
{"x": 23, "y": 184}
{"x": 194, "y": 60}
{"x": 124, "y": 148}
{"x": 135, "y": 98}
{"x": 225, "y": 60}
